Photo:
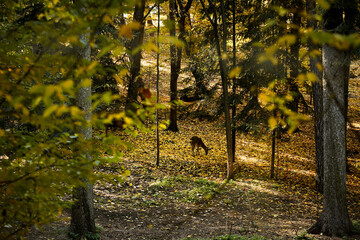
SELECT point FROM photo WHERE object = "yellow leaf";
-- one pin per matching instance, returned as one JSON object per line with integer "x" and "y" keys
{"x": 323, "y": 3}
{"x": 68, "y": 84}
{"x": 86, "y": 83}
{"x": 289, "y": 98}
{"x": 263, "y": 99}
{"x": 301, "y": 78}
{"x": 92, "y": 65}
{"x": 272, "y": 122}
{"x": 128, "y": 120}
{"x": 319, "y": 66}
{"x": 49, "y": 111}
{"x": 234, "y": 72}
{"x": 126, "y": 30}
{"x": 107, "y": 19}
{"x": 287, "y": 40}
{"x": 118, "y": 79}
{"x": 312, "y": 77}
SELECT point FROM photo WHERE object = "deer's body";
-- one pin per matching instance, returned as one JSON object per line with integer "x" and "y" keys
{"x": 197, "y": 143}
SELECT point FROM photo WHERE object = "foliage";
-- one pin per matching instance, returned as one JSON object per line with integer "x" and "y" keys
{"x": 42, "y": 154}
{"x": 356, "y": 227}
{"x": 89, "y": 236}
{"x": 202, "y": 189}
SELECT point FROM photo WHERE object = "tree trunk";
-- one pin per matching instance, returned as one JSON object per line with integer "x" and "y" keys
{"x": 334, "y": 219}
{"x": 82, "y": 212}
{"x": 175, "y": 68}
{"x": 222, "y": 64}
{"x": 230, "y": 150}
{"x": 318, "y": 104}
{"x": 233, "y": 110}
{"x": 135, "y": 81}
{"x": 157, "y": 88}
{"x": 294, "y": 59}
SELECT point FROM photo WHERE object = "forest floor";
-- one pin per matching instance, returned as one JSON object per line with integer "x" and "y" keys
{"x": 187, "y": 197}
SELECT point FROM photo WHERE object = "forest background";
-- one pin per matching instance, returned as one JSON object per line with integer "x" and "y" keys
{"x": 92, "y": 90}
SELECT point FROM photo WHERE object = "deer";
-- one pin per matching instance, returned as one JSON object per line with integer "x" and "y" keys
{"x": 197, "y": 142}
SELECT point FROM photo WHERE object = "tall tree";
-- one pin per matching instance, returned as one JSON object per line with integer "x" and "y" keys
{"x": 175, "y": 68}
{"x": 334, "y": 219}
{"x": 82, "y": 211}
{"x": 234, "y": 84}
{"x": 135, "y": 81}
{"x": 214, "y": 22}
{"x": 176, "y": 8}
{"x": 294, "y": 55}
{"x": 157, "y": 86}
{"x": 315, "y": 62}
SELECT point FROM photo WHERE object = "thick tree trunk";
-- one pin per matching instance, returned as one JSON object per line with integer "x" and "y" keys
{"x": 135, "y": 81}
{"x": 82, "y": 212}
{"x": 319, "y": 127}
{"x": 175, "y": 68}
{"x": 317, "y": 92}
{"x": 334, "y": 219}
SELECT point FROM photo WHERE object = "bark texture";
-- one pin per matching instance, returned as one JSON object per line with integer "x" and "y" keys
{"x": 82, "y": 211}
{"x": 294, "y": 59}
{"x": 223, "y": 73}
{"x": 334, "y": 219}
{"x": 175, "y": 69}
{"x": 135, "y": 81}
{"x": 317, "y": 92}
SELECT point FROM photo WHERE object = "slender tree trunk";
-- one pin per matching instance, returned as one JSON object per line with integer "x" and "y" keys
{"x": 273, "y": 149}
{"x": 174, "y": 69}
{"x": 222, "y": 64}
{"x": 230, "y": 160}
{"x": 157, "y": 89}
{"x": 317, "y": 92}
{"x": 233, "y": 112}
{"x": 294, "y": 60}
{"x": 135, "y": 81}
{"x": 82, "y": 211}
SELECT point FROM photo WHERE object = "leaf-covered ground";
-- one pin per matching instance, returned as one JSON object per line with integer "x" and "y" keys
{"x": 186, "y": 197}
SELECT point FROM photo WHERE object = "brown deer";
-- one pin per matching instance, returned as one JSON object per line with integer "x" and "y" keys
{"x": 197, "y": 142}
